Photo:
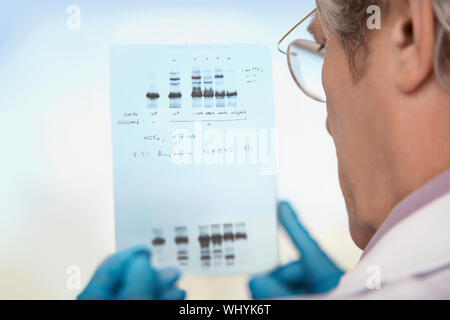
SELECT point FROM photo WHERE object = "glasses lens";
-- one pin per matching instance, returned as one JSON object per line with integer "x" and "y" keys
{"x": 305, "y": 62}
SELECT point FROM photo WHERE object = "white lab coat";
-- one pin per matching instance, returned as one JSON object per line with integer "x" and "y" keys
{"x": 412, "y": 260}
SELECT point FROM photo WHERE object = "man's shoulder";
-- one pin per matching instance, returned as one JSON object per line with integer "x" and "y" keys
{"x": 433, "y": 285}
{"x": 416, "y": 252}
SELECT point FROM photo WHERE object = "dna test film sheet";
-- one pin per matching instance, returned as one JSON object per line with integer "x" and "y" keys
{"x": 194, "y": 155}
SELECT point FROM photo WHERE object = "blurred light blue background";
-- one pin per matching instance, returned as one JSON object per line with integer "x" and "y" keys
{"x": 56, "y": 204}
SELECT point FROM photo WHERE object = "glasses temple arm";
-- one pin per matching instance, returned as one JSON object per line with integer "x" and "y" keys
{"x": 292, "y": 29}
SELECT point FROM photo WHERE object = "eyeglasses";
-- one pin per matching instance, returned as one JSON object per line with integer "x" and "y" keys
{"x": 305, "y": 60}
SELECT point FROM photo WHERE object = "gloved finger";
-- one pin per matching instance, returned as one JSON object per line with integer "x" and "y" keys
{"x": 106, "y": 280}
{"x": 139, "y": 280}
{"x": 300, "y": 237}
{"x": 266, "y": 287}
{"x": 292, "y": 274}
{"x": 173, "y": 294}
{"x": 167, "y": 276}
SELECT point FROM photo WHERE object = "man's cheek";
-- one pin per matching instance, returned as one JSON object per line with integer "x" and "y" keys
{"x": 324, "y": 77}
{"x": 328, "y": 80}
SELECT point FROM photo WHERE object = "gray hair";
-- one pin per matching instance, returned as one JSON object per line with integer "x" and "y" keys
{"x": 347, "y": 20}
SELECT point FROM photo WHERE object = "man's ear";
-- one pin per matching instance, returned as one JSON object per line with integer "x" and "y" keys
{"x": 414, "y": 40}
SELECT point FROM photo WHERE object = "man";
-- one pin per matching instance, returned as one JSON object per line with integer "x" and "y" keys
{"x": 388, "y": 102}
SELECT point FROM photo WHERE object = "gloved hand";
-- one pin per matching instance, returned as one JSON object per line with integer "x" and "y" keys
{"x": 313, "y": 273}
{"x": 129, "y": 275}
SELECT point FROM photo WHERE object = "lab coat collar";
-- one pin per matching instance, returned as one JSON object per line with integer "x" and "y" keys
{"x": 418, "y": 245}
{"x": 427, "y": 193}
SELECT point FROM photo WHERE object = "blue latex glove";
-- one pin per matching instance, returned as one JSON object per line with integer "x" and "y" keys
{"x": 313, "y": 273}
{"x": 129, "y": 275}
